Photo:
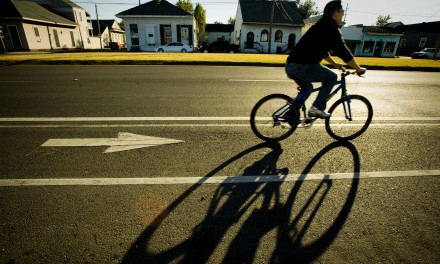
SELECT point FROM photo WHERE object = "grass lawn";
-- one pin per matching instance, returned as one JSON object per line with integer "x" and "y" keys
{"x": 114, "y": 58}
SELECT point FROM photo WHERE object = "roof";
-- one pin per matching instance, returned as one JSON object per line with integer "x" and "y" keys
{"x": 382, "y": 30}
{"x": 28, "y": 10}
{"x": 219, "y": 28}
{"x": 258, "y": 11}
{"x": 421, "y": 27}
{"x": 57, "y": 3}
{"x": 154, "y": 8}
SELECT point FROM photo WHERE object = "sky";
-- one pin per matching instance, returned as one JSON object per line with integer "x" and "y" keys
{"x": 358, "y": 11}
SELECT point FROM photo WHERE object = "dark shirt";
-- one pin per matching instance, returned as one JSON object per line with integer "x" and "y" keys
{"x": 318, "y": 41}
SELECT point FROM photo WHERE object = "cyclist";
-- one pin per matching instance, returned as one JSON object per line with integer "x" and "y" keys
{"x": 303, "y": 63}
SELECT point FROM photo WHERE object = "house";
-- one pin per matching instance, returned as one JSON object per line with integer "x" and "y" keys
{"x": 109, "y": 31}
{"x": 215, "y": 32}
{"x": 267, "y": 26}
{"x": 156, "y": 23}
{"x": 419, "y": 36}
{"x": 45, "y": 25}
{"x": 77, "y": 14}
{"x": 372, "y": 41}
{"x": 29, "y": 26}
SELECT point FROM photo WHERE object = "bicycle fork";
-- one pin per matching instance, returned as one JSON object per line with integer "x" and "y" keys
{"x": 347, "y": 108}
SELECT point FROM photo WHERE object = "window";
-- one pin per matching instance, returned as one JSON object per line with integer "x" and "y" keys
{"x": 37, "y": 34}
{"x": 368, "y": 46}
{"x": 389, "y": 47}
{"x": 134, "y": 34}
{"x": 72, "y": 38}
{"x": 279, "y": 36}
{"x": 56, "y": 38}
{"x": 422, "y": 43}
{"x": 264, "y": 36}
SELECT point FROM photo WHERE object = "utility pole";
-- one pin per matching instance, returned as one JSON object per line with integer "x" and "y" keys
{"x": 346, "y": 11}
{"x": 270, "y": 26}
{"x": 99, "y": 28}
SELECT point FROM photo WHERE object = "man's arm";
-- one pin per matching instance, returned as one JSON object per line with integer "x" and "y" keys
{"x": 330, "y": 60}
{"x": 354, "y": 65}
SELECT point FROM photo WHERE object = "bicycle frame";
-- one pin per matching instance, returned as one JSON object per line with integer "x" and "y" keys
{"x": 300, "y": 99}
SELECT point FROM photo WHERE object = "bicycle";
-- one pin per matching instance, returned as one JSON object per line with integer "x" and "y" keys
{"x": 276, "y": 116}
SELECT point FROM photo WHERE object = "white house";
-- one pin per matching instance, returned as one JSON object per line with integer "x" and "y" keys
{"x": 157, "y": 23}
{"x": 108, "y": 30}
{"x": 76, "y": 14}
{"x": 267, "y": 26}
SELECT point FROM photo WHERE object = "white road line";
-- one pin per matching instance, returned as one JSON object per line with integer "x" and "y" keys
{"x": 255, "y": 80}
{"x": 107, "y": 119}
{"x": 213, "y": 180}
{"x": 178, "y": 118}
{"x": 199, "y": 125}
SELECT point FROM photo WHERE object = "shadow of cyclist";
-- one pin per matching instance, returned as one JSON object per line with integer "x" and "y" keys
{"x": 260, "y": 209}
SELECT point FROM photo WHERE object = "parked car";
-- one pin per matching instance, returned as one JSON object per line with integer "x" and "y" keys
{"x": 426, "y": 53}
{"x": 220, "y": 46}
{"x": 116, "y": 45}
{"x": 174, "y": 47}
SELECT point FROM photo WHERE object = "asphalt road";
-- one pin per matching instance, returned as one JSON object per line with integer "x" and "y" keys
{"x": 218, "y": 194}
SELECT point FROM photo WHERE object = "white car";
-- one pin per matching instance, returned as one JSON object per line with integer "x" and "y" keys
{"x": 174, "y": 47}
{"x": 427, "y": 53}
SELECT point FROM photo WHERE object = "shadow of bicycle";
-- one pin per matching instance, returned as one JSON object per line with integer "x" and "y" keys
{"x": 265, "y": 213}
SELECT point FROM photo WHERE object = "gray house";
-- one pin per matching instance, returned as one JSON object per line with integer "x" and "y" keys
{"x": 419, "y": 36}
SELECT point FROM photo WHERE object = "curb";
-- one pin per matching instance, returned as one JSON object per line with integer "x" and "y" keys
{"x": 206, "y": 63}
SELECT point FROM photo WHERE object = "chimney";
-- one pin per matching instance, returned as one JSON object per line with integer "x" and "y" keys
{"x": 158, "y": 1}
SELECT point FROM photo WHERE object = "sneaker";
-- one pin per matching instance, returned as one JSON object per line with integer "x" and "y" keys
{"x": 315, "y": 112}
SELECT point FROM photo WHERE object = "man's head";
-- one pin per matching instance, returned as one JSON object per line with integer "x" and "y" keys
{"x": 334, "y": 10}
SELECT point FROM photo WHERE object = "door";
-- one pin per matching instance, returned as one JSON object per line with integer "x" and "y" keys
{"x": 13, "y": 32}
{"x": 184, "y": 33}
{"x": 378, "y": 49}
{"x": 151, "y": 38}
{"x": 250, "y": 40}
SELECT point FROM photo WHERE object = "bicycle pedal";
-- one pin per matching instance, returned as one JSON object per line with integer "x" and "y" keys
{"x": 308, "y": 122}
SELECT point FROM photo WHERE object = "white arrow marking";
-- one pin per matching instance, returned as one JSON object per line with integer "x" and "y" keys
{"x": 124, "y": 141}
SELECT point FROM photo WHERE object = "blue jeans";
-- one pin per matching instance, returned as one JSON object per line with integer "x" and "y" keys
{"x": 305, "y": 74}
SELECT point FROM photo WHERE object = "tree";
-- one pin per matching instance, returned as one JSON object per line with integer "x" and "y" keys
{"x": 200, "y": 16}
{"x": 231, "y": 20}
{"x": 307, "y": 8}
{"x": 383, "y": 20}
{"x": 185, "y": 5}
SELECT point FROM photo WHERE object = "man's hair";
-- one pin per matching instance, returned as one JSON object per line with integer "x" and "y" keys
{"x": 332, "y": 7}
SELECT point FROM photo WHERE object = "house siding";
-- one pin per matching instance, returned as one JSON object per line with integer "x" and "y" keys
{"x": 263, "y": 46}
{"x": 46, "y": 41}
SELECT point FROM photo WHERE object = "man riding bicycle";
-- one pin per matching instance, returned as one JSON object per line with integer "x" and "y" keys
{"x": 303, "y": 64}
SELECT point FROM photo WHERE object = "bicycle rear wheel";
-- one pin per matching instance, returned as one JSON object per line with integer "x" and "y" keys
{"x": 349, "y": 119}
{"x": 273, "y": 119}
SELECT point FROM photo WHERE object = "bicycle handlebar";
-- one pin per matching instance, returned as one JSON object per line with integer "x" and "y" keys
{"x": 346, "y": 72}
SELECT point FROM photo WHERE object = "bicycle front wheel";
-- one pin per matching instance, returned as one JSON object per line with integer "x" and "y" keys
{"x": 273, "y": 119}
{"x": 350, "y": 117}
